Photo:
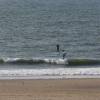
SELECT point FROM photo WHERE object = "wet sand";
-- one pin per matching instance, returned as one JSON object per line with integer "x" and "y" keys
{"x": 57, "y": 89}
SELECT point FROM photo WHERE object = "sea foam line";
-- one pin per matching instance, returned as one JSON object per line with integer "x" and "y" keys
{"x": 50, "y": 73}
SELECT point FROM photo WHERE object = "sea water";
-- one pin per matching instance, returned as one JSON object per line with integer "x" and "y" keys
{"x": 31, "y": 29}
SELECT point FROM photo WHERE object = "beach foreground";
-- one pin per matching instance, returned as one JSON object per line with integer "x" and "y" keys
{"x": 58, "y": 89}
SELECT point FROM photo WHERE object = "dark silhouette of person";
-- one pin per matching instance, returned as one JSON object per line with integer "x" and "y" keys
{"x": 64, "y": 54}
{"x": 58, "y": 47}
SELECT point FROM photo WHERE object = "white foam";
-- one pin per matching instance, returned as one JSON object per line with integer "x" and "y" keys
{"x": 49, "y": 73}
{"x": 56, "y": 61}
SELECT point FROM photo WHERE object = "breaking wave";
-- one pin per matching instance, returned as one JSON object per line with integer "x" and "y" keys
{"x": 33, "y": 61}
{"x": 72, "y": 62}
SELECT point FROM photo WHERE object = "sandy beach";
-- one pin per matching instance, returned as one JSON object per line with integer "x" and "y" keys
{"x": 58, "y": 89}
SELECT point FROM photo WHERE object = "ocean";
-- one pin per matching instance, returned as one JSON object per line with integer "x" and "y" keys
{"x": 31, "y": 29}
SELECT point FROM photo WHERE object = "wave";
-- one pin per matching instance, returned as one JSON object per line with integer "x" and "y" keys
{"x": 83, "y": 62}
{"x": 33, "y": 61}
{"x": 69, "y": 62}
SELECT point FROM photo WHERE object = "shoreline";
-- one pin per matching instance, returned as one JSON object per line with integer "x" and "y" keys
{"x": 49, "y": 77}
{"x": 50, "y": 89}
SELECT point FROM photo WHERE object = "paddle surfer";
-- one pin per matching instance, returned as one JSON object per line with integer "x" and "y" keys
{"x": 58, "y": 47}
{"x": 64, "y": 54}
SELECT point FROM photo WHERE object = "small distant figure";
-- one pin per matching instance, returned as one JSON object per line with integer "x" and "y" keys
{"x": 58, "y": 47}
{"x": 64, "y": 54}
